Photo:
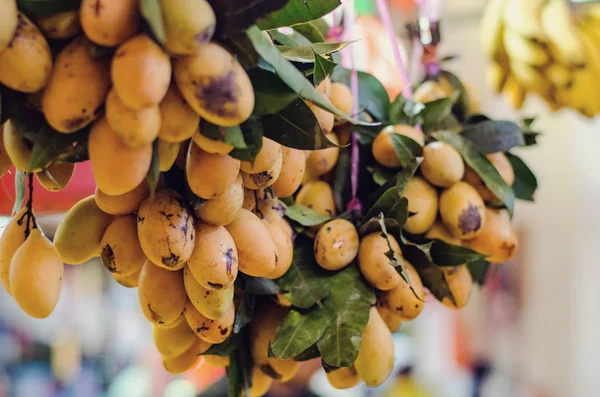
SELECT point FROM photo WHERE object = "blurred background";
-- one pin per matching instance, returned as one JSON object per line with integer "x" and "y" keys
{"x": 531, "y": 331}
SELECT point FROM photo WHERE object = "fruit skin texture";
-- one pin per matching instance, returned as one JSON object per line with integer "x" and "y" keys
{"x": 442, "y": 165}
{"x": 138, "y": 61}
{"x": 221, "y": 210}
{"x": 441, "y": 232}
{"x": 324, "y": 117}
{"x": 161, "y": 293}
{"x": 401, "y": 300}
{"x": 36, "y": 275}
{"x": 60, "y": 26}
{"x": 375, "y": 265}
{"x": 13, "y": 236}
{"x": 17, "y": 150}
{"x": 216, "y": 361}
{"x": 423, "y": 201}
{"x": 135, "y": 128}
{"x": 375, "y": 358}
{"x": 214, "y": 260}
{"x": 5, "y": 162}
{"x": 382, "y": 148}
{"x": 390, "y": 318}
{"x": 129, "y": 281}
{"x": 264, "y": 179}
{"x": 77, "y": 87}
{"x": 211, "y": 145}
{"x": 341, "y": 98}
{"x": 318, "y": 196}
{"x": 285, "y": 248}
{"x": 8, "y": 22}
{"x": 261, "y": 383}
{"x": 497, "y": 238}
{"x": 292, "y": 171}
{"x": 498, "y": 160}
{"x": 211, "y": 331}
{"x": 462, "y": 210}
{"x": 215, "y": 85}
{"x": 167, "y": 154}
{"x": 265, "y": 159}
{"x": 212, "y": 304}
{"x": 120, "y": 248}
{"x": 110, "y": 23}
{"x": 189, "y": 24}
{"x": 320, "y": 162}
{"x": 78, "y": 236}
{"x": 343, "y": 378}
{"x": 336, "y": 244}
{"x": 201, "y": 176}
{"x": 166, "y": 229}
{"x": 171, "y": 342}
{"x": 461, "y": 283}
{"x": 26, "y": 63}
{"x": 185, "y": 361}
{"x": 179, "y": 120}
{"x": 123, "y": 204}
{"x": 257, "y": 253}
{"x": 117, "y": 168}
{"x": 56, "y": 177}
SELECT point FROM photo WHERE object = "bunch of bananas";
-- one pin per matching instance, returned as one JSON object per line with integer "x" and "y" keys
{"x": 546, "y": 47}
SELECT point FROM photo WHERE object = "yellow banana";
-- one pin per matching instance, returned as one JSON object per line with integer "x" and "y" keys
{"x": 492, "y": 29}
{"x": 523, "y": 17}
{"x": 556, "y": 20}
{"x": 524, "y": 49}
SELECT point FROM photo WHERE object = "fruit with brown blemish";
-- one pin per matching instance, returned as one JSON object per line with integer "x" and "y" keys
{"x": 265, "y": 159}
{"x": 442, "y": 165}
{"x": 441, "y": 232}
{"x": 56, "y": 177}
{"x": 261, "y": 383}
{"x": 60, "y": 26}
{"x": 129, "y": 281}
{"x": 78, "y": 236}
{"x": 17, "y": 149}
{"x": 375, "y": 265}
{"x": 343, "y": 378}
{"x": 375, "y": 359}
{"x": 117, "y": 168}
{"x": 263, "y": 179}
{"x": 215, "y": 85}
{"x": 26, "y": 63}
{"x": 189, "y": 24}
{"x": 167, "y": 154}
{"x": 273, "y": 210}
{"x": 460, "y": 283}
{"x": 497, "y": 238}
{"x": 187, "y": 360}
{"x": 166, "y": 229}
{"x": 135, "y": 128}
{"x": 341, "y": 97}
{"x": 122, "y": 204}
{"x": 211, "y": 145}
{"x": 120, "y": 250}
{"x": 423, "y": 203}
{"x": 109, "y": 22}
{"x": 382, "y": 147}
{"x": 336, "y": 244}
{"x": 5, "y": 162}
{"x": 318, "y": 196}
{"x": 214, "y": 260}
{"x": 285, "y": 248}
{"x": 222, "y": 209}
{"x": 393, "y": 321}
{"x": 504, "y": 168}
{"x": 406, "y": 300}
{"x": 324, "y": 117}
{"x": 8, "y": 22}
{"x": 292, "y": 171}
{"x": 213, "y": 304}
{"x": 161, "y": 293}
{"x": 171, "y": 342}
{"x": 210, "y": 175}
{"x": 137, "y": 62}
{"x": 211, "y": 331}
{"x": 179, "y": 122}
{"x": 172, "y": 324}
{"x": 462, "y": 210}
{"x": 320, "y": 162}
{"x": 257, "y": 253}
{"x": 13, "y": 236}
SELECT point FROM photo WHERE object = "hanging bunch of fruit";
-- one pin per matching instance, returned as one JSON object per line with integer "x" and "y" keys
{"x": 267, "y": 212}
{"x": 545, "y": 47}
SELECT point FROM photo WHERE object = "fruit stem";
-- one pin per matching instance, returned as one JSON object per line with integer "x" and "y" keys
{"x": 256, "y": 200}
{"x": 31, "y": 223}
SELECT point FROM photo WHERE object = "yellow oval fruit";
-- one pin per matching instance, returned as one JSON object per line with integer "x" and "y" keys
{"x": 129, "y": 281}
{"x": 187, "y": 360}
{"x": 214, "y": 260}
{"x": 36, "y": 275}
{"x": 26, "y": 63}
{"x": 189, "y": 24}
{"x": 324, "y": 117}
{"x": 8, "y": 22}
{"x": 5, "y": 162}
{"x": 111, "y": 22}
{"x": 423, "y": 202}
{"x": 375, "y": 265}
{"x": 430, "y": 91}
{"x": 497, "y": 238}
{"x": 222, "y": 209}
{"x": 56, "y": 177}
{"x": 166, "y": 229}
{"x": 336, "y": 244}
{"x": 267, "y": 156}
{"x": 264, "y": 179}
{"x": 179, "y": 120}
{"x": 174, "y": 341}
{"x": 211, "y": 331}
{"x": 122, "y": 204}
{"x": 461, "y": 283}
{"x": 261, "y": 383}
{"x": 462, "y": 210}
{"x": 250, "y": 199}
{"x": 257, "y": 253}
{"x": 441, "y": 232}
{"x": 216, "y": 361}
{"x": 320, "y": 162}
{"x": 324, "y": 88}
{"x": 120, "y": 248}
{"x": 117, "y": 168}
{"x": 212, "y": 304}
{"x": 273, "y": 210}
{"x": 137, "y": 62}
{"x": 318, "y": 196}
{"x": 375, "y": 358}
{"x": 382, "y": 148}
{"x": 201, "y": 176}
{"x": 13, "y": 236}
{"x": 292, "y": 172}
{"x": 341, "y": 98}
{"x": 215, "y": 85}
{"x": 167, "y": 154}
{"x": 60, "y": 26}
{"x": 135, "y": 128}
{"x": 401, "y": 299}
{"x": 161, "y": 293}
{"x": 343, "y": 378}
{"x": 442, "y": 165}
{"x": 504, "y": 168}
{"x": 17, "y": 149}
{"x": 210, "y": 145}
{"x": 281, "y": 300}
{"x": 172, "y": 324}
{"x": 79, "y": 234}
{"x": 390, "y": 318}
{"x": 285, "y": 248}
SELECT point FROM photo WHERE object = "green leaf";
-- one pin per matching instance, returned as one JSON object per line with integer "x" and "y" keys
{"x": 391, "y": 205}
{"x": 241, "y": 47}
{"x": 80, "y": 153}
{"x": 306, "y": 283}
{"x": 252, "y": 129}
{"x": 436, "y": 110}
{"x": 407, "y": 150}
{"x": 494, "y": 136}
{"x": 244, "y": 313}
{"x": 444, "y": 254}
{"x": 260, "y": 286}
{"x": 239, "y": 370}
{"x": 298, "y": 11}
{"x": 305, "y": 216}
{"x": 525, "y": 183}
{"x": 481, "y": 165}
{"x": 306, "y": 54}
{"x": 316, "y": 31}
{"x": 285, "y": 39}
{"x": 412, "y": 109}
{"x": 235, "y": 16}
{"x": 342, "y": 181}
{"x": 152, "y": 12}
{"x": 432, "y": 276}
{"x": 463, "y": 104}
{"x": 449, "y": 123}
{"x": 223, "y": 349}
{"x": 323, "y": 68}
{"x": 231, "y": 135}
{"x": 40, "y": 8}
{"x": 19, "y": 191}
{"x": 406, "y": 175}
{"x": 271, "y": 94}
{"x": 296, "y": 127}
{"x": 154, "y": 171}
{"x": 396, "y": 113}
{"x": 372, "y": 96}
{"x": 479, "y": 271}
{"x": 381, "y": 175}
{"x": 308, "y": 354}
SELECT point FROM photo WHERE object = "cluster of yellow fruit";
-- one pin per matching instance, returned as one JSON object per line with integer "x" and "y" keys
{"x": 549, "y": 48}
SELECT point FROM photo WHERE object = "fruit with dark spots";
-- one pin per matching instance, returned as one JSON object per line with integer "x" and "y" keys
{"x": 285, "y": 248}
{"x": 186, "y": 360}
{"x": 375, "y": 359}
{"x": 423, "y": 203}
{"x": 442, "y": 165}
{"x": 320, "y": 162}
{"x": 497, "y": 238}
{"x": 222, "y": 209}
{"x": 207, "y": 329}
{"x": 317, "y": 195}
{"x": 403, "y": 301}
{"x": 189, "y": 24}
{"x": 292, "y": 172}
{"x": 375, "y": 265}
{"x": 161, "y": 293}
{"x": 125, "y": 203}
{"x": 336, "y": 244}
{"x": 265, "y": 159}
{"x": 504, "y": 168}
{"x": 462, "y": 210}
{"x": 201, "y": 176}
{"x": 174, "y": 341}
{"x": 215, "y": 85}
{"x": 109, "y": 22}
{"x": 13, "y": 236}
{"x": 8, "y": 22}
{"x": 460, "y": 283}
{"x": 60, "y": 26}
{"x": 264, "y": 179}
{"x": 136, "y": 128}
{"x": 129, "y": 281}
{"x": 56, "y": 177}
{"x": 382, "y": 147}
{"x": 213, "y": 304}
{"x": 343, "y": 378}
{"x": 121, "y": 251}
